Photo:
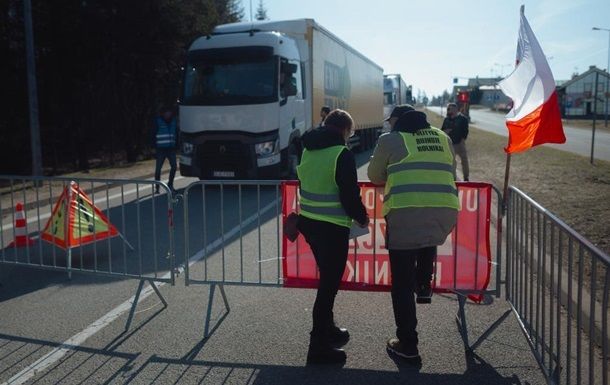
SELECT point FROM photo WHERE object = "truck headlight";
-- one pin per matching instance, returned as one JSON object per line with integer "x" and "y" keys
{"x": 187, "y": 148}
{"x": 266, "y": 148}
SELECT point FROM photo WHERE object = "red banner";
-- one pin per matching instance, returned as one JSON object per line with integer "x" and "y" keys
{"x": 463, "y": 262}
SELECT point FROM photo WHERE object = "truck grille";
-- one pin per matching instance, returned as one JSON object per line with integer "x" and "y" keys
{"x": 225, "y": 156}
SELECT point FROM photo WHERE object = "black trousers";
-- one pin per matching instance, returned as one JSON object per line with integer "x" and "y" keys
{"x": 170, "y": 154}
{"x": 329, "y": 243}
{"x": 409, "y": 268}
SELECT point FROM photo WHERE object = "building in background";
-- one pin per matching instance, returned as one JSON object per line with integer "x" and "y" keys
{"x": 577, "y": 96}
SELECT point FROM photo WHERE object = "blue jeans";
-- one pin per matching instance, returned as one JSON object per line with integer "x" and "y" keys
{"x": 170, "y": 154}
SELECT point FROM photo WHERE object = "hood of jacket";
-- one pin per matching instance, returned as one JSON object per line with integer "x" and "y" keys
{"x": 322, "y": 137}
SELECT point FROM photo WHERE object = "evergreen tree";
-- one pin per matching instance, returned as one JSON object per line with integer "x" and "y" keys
{"x": 261, "y": 12}
{"x": 103, "y": 70}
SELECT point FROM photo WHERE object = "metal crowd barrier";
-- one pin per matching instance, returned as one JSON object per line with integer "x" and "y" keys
{"x": 558, "y": 284}
{"x": 103, "y": 227}
{"x": 233, "y": 229}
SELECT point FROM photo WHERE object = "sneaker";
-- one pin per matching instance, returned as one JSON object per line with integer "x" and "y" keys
{"x": 424, "y": 293}
{"x": 405, "y": 351}
{"x": 466, "y": 179}
{"x": 338, "y": 336}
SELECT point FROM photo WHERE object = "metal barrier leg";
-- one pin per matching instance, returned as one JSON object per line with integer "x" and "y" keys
{"x": 460, "y": 320}
{"x": 69, "y": 263}
{"x": 126, "y": 242}
{"x": 136, "y": 298}
{"x": 206, "y": 329}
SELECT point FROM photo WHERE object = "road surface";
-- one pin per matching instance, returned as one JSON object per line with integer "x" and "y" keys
{"x": 578, "y": 140}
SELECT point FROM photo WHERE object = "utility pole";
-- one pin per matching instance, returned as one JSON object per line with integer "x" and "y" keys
{"x": 607, "y": 93}
{"x": 594, "y": 114}
{"x": 32, "y": 90}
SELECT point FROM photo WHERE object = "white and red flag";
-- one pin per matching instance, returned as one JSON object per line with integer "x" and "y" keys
{"x": 535, "y": 118}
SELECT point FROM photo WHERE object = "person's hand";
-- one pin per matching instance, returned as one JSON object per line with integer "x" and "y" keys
{"x": 365, "y": 224}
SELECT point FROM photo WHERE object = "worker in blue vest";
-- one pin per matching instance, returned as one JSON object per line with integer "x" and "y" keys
{"x": 417, "y": 164}
{"x": 164, "y": 141}
{"x": 329, "y": 201}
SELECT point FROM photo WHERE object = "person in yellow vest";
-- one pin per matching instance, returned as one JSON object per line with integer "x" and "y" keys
{"x": 329, "y": 201}
{"x": 417, "y": 164}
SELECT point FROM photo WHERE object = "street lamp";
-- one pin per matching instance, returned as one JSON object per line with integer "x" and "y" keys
{"x": 502, "y": 67}
{"x": 607, "y": 72}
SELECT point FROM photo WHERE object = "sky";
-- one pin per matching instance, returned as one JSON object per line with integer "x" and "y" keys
{"x": 430, "y": 42}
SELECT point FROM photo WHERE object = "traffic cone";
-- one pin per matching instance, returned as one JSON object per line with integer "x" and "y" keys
{"x": 21, "y": 238}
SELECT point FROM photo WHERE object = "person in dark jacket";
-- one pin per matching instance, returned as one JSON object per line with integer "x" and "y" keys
{"x": 164, "y": 142}
{"x": 324, "y": 111}
{"x": 416, "y": 163}
{"x": 456, "y": 126}
{"x": 329, "y": 201}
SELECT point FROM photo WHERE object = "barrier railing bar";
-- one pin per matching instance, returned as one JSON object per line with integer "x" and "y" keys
{"x": 108, "y": 243}
{"x": 569, "y": 321}
{"x": 222, "y": 226}
{"x": 476, "y": 248}
{"x": 530, "y": 266}
{"x": 499, "y": 238}
{"x": 579, "y": 317}
{"x": 592, "y": 319}
{"x": 154, "y": 223}
{"x": 605, "y": 355}
{"x": 124, "y": 228}
{"x": 139, "y": 226}
{"x": 543, "y": 287}
{"x": 558, "y": 310}
{"x": 277, "y": 231}
{"x": 258, "y": 220}
{"x": 241, "y": 234}
{"x": 539, "y": 272}
{"x": 205, "y": 231}
{"x": 551, "y": 296}
{"x": 27, "y": 244}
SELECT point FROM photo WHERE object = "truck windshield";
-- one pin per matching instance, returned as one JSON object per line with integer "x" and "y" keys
{"x": 231, "y": 76}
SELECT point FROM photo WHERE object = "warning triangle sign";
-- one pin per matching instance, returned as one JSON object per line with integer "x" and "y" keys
{"x": 75, "y": 221}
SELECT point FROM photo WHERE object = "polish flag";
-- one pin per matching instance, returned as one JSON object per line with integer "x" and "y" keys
{"x": 535, "y": 118}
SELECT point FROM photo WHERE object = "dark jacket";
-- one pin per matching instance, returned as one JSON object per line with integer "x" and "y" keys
{"x": 456, "y": 128}
{"x": 345, "y": 175}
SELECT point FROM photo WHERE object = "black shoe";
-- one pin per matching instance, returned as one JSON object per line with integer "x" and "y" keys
{"x": 325, "y": 355}
{"x": 424, "y": 293}
{"x": 466, "y": 179}
{"x": 406, "y": 351}
{"x": 338, "y": 336}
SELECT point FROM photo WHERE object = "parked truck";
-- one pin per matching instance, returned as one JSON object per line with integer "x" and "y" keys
{"x": 395, "y": 92}
{"x": 251, "y": 90}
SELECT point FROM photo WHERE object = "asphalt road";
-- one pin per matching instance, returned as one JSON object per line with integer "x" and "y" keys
{"x": 56, "y": 330}
{"x": 578, "y": 140}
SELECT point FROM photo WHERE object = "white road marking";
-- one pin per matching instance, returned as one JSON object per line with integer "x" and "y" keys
{"x": 73, "y": 342}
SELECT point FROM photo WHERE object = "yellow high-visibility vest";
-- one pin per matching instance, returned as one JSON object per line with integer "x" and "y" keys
{"x": 319, "y": 193}
{"x": 425, "y": 177}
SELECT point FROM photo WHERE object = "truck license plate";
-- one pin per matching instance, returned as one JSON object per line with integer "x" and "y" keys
{"x": 224, "y": 174}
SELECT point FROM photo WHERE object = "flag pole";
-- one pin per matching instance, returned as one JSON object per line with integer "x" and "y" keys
{"x": 505, "y": 191}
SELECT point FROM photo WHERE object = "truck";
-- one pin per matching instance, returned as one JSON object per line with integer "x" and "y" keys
{"x": 395, "y": 92}
{"x": 252, "y": 89}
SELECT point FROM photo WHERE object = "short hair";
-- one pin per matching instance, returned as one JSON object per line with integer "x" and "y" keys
{"x": 452, "y": 105}
{"x": 340, "y": 119}
{"x": 325, "y": 109}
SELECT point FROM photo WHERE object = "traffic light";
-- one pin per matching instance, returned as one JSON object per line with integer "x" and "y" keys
{"x": 463, "y": 97}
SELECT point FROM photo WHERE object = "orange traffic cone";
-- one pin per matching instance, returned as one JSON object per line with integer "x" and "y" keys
{"x": 21, "y": 238}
